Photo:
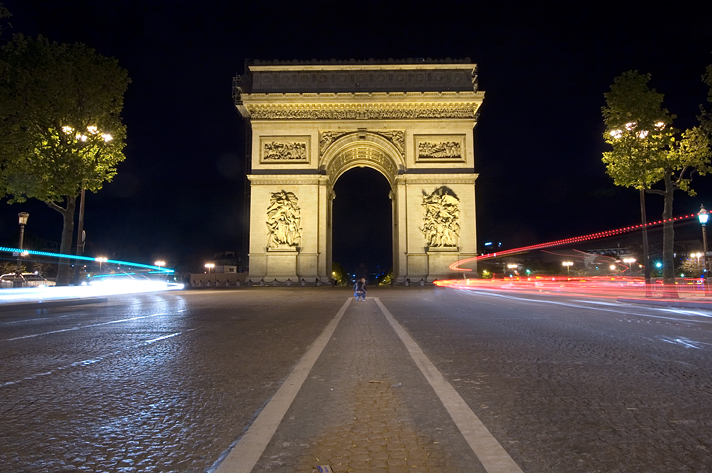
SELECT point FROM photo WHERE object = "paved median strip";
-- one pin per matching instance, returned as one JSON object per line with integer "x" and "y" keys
{"x": 248, "y": 450}
{"x": 492, "y": 455}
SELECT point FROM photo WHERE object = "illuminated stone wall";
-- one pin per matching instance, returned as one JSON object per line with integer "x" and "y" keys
{"x": 311, "y": 122}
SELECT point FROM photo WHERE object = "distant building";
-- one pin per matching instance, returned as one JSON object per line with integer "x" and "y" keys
{"x": 229, "y": 262}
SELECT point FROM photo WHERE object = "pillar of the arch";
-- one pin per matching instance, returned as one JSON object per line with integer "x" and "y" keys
{"x": 417, "y": 259}
{"x": 400, "y": 232}
{"x": 303, "y": 261}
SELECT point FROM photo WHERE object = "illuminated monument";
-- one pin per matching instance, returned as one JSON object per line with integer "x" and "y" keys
{"x": 310, "y": 122}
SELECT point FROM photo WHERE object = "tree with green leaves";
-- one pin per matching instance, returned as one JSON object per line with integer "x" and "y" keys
{"x": 647, "y": 153}
{"x": 60, "y": 126}
{"x": 4, "y": 13}
{"x": 706, "y": 115}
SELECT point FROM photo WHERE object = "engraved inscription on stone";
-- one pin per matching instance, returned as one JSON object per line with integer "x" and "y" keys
{"x": 441, "y": 219}
{"x": 439, "y": 150}
{"x": 283, "y": 220}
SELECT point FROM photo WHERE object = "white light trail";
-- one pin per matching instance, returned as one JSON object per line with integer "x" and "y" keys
{"x": 78, "y": 327}
{"x": 90, "y": 361}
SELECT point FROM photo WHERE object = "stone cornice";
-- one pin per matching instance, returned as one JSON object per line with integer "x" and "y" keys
{"x": 287, "y": 179}
{"x": 366, "y": 97}
{"x": 369, "y": 61}
{"x": 437, "y": 179}
{"x": 357, "y": 77}
{"x": 360, "y": 111}
{"x": 359, "y": 67}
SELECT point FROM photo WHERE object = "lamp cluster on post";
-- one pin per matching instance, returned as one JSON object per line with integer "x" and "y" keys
{"x": 704, "y": 215}
{"x": 22, "y": 217}
{"x": 629, "y": 261}
{"x": 101, "y": 260}
{"x": 82, "y": 137}
{"x": 641, "y": 134}
{"x": 161, "y": 264}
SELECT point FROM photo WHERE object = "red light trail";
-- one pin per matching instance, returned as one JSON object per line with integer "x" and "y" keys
{"x": 605, "y": 287}
{"x": 596, "y": 286}
{"x": 592, "y": 236}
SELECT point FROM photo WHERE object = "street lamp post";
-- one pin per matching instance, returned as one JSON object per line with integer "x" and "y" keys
{"x": 704, "y": 215}
{"x": 161, "y": 264}
{"x": 630, "y": 262}
{"x": 642, "y": 134}
{"x": 101, "y": 260}
{"x": 22, "y": 216}
{"x": 210, "y": 266}
{"x": 568, "y": 265}
{"x": 80, "y": 136}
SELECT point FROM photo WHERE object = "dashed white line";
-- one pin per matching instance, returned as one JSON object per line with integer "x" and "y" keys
{"x": 615, "y": 311}
{"x": 685, "y": 342}
{"x": 245, "y": 454}
{"x": 492, "y": 455}
{"x": 91, "y": 361}
{"x": 71, "y": 329}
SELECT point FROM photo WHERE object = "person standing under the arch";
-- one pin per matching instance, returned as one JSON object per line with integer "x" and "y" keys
{"x": 360, "y": 289}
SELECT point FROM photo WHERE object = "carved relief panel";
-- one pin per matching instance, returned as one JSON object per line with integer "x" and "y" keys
{"x": 440, "y": 148}
{"x": 441, "y": 218}
{"x": 284, "y": 149}
{"x": 283, "y": 220}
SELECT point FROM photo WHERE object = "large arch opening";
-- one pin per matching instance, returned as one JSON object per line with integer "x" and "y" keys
{"x": 362, "y": 230}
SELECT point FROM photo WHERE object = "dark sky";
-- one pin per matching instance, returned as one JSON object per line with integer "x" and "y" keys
{"x": 543, "y": 66}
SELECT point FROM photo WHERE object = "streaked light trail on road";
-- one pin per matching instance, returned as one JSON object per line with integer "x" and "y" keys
{"x": 592, "y": 236}
{"x": 89, "y": 361}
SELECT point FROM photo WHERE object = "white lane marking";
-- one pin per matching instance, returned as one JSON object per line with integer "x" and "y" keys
{"x": 685, "y": 342}
{"x": 71, "y": 329}
{"x": 687, "y": 312}
{"x": 92, "y": 360}
{"x": 619, "y": 312}
{"x": 491, "y": 454}
{"x": 245, "y": 454}
{"x": 598, "y": 302}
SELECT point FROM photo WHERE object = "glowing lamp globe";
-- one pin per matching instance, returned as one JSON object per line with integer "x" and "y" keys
{"x": 703, "y": 215}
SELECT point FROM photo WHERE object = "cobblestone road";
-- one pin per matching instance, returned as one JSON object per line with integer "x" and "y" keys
{"x": 169, "y": 382}
{"x": 575, "y": 385}
{"x": 366, "y": 407}
{"x": 162, "y": 383}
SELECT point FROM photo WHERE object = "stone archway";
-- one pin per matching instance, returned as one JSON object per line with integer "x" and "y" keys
{"x": 411, "y": 121}
{"x": 362, "y": 223}
{"x": 346, "y": 150}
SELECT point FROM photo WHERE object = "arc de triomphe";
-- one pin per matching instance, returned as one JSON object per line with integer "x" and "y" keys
{"x": 411, "y": 120}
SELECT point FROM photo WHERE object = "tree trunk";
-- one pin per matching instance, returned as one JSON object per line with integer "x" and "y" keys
{"x": 668, "y": 240}
{"x": 646, "y": 254}
{"x": 65, "y": 247}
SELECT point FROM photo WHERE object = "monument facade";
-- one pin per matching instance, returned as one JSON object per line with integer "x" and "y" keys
{"x": 311, "y": 122}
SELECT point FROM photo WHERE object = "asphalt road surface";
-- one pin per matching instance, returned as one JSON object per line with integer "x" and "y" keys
{"x": 301, "y": 379}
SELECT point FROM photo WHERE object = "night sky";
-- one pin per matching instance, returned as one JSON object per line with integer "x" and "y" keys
{"x": 544, "y": 67}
